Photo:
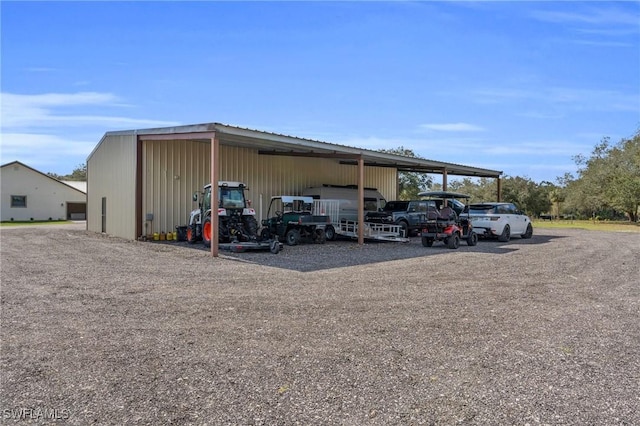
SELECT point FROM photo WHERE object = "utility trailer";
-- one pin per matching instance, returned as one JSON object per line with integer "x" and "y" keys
{"x": 349, "y": 228}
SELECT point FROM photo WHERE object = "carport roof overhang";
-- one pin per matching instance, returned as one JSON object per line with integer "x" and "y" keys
{"x": 277, "y": 144}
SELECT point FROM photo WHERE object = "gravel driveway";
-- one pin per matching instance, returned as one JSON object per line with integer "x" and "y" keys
{"x": 101, "y": 330}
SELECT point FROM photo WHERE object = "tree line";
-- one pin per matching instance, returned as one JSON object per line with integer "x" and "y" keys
{"x": 607, "y": 185}
{"x": 79, "y": 174}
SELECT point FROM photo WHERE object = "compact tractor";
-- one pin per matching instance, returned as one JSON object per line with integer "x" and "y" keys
{"x": 237, "y": 224}
{"x": 294, "y": 221}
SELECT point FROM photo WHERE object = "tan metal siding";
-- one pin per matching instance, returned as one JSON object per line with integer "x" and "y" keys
{"x": 111, "y": 173}
{"x": 173, "y": 170}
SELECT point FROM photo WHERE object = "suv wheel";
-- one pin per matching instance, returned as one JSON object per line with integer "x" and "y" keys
{"x": 506, "y": 234}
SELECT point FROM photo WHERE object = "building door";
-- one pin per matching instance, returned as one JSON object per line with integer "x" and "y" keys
{"x": 104, "y": 214}
{"x": 76, "y": 211}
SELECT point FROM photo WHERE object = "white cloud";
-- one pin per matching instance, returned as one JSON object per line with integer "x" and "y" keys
{"x": 14, "y": 143}
{"x": 56, "y": 131}
{"x": 44, "y": 110}
{"x": 573, "y": 98}
{"x": 452, "y": 127}
{"x": 590, "y": 16}
{"x": 45, "y": 152}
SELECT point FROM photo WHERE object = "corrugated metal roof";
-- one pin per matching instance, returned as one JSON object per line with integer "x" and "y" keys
{"x": 268, "y": 143}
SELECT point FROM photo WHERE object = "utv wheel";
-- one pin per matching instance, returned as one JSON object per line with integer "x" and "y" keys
{"x": 206, "y": 232}
{"x": 528, "y": 233}
{"x": 453, "y": 242}
{"x": 330, "y": 233}
{"x": 320, "y": 236}
{"x": 293, "y": 237}
{"x": 506, "y": 234}
{"x": 427, "y": 242}
{"x": 472, "y": 239}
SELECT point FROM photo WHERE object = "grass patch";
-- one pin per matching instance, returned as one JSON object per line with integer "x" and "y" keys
{"x": 588, "y": 225}
{"x": 33, "y": 222}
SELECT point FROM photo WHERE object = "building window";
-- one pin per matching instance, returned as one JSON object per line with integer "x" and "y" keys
{"x": 18, "y": 201}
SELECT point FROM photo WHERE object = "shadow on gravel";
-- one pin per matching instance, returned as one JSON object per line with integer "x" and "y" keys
{"x": 346, "y": 253}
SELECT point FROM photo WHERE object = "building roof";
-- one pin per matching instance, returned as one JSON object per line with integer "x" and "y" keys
{"x": 79, "y": 185}
{"x": 65, "y": 183}
{"x": 277, "y": 144}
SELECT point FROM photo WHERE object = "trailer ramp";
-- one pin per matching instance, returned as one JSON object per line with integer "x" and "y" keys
{"x": 349, "y": 228}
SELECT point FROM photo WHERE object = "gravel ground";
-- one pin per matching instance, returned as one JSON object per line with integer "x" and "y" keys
{"x": 102, "y": 330}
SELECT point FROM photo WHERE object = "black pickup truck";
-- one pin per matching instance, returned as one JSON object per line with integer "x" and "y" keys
{"x": 410, "y": 215}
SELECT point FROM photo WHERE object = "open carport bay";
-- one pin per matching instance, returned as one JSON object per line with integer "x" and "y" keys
{"x": 540, "y": 331}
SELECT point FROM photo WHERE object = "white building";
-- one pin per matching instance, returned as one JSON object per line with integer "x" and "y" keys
{"x": 27, "y": 194}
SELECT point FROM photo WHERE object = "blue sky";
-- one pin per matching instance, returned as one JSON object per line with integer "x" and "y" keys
{"x": 520, "y": 87}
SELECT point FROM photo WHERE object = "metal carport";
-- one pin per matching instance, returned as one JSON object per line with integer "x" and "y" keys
{"x": 267, "y": 143}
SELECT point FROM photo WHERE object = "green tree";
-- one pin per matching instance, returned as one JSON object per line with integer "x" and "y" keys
{"x": 609, "y": 180}
{"x": 529, "y": 196}
{"x": 623, "y": 191}
{"x": 79, "y": 174}
{"x": 410, "y": 183}
{"x": 557, "y": 196}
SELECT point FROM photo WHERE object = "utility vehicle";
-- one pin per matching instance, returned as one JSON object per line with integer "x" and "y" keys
{"x": 447, "y": 220}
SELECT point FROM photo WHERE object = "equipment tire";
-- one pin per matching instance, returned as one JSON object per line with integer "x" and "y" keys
{"x": 292, "y": 237}
{"x": 453, "y": 242}
{"x": 330, "y": 233}
{"x": 321, "y": 236}
{"x": 427, "y": 242}
{"x": 191, "y": 234}
{"x": 250, "y": 225}
{"x": 207, "y": 232}
{"x": 274, "y": 247}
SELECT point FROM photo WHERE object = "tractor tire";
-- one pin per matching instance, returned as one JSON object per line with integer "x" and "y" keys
{"x": 330, "y": 233}
{"x": 292, "y": 237}
{"x": 453, "y": 242}
{"x": 207, "y": 232}
{"x": 250, "y": 225}
{"x": 223, "y": 231}
{"x": 472, "y": 239}
{"x": 427, "y": 242}
{"x": 191, "y": 234}
{"x": 506, "y": 234}
{"x": 528, "y": 233}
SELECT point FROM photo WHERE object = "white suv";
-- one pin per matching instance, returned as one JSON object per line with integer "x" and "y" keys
{"x": 502, "y": 220}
